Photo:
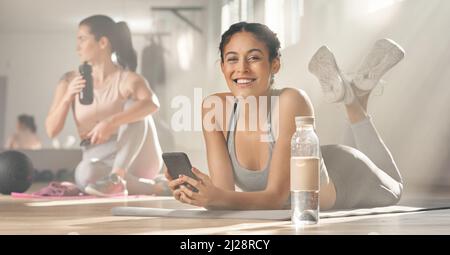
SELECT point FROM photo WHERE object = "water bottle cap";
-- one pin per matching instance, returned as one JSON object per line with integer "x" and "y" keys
{"x": 304, "y": 120}
{"x": 85, "y": 68}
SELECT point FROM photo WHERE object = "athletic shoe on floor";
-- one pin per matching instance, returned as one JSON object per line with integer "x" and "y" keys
{"x": 111, "y": 185}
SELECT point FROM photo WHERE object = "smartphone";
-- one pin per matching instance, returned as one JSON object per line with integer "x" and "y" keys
{"x": 178, "y": 163}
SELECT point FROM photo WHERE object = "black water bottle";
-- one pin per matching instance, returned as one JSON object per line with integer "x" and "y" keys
{"x": 87, "y": 94}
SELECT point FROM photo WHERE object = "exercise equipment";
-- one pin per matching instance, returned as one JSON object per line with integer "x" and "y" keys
{"x": 16, "y": 172}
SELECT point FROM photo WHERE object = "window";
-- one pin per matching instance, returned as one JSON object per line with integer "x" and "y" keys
{"x": 282, "y": 16}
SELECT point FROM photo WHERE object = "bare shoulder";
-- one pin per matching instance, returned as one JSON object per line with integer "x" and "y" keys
{"x": 295, "y": 101}
{"x": 134, "y": 78}
{"x": 133, "y": 84}
{"x": 68, "y": 76}
{"x": 14, "y": 137}
{"x": 293, "y": 95}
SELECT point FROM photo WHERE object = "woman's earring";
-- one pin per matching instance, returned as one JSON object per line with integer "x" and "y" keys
{"x": 272, "y": 78}
{"x": 114, "y": 58}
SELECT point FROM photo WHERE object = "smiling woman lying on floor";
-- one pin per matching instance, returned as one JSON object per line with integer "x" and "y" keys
{"x": 362, "y": 174}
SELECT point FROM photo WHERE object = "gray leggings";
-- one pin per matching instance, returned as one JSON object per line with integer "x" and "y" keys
{"x": 136, "y": 148}
{"x": 364, "y": 172}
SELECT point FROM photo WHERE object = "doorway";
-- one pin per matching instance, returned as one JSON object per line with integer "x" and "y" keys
{"x": 3, "y": 81}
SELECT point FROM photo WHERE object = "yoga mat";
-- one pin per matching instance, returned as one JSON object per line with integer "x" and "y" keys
{"x": 256, "y": 214}
{"x": 27, "y": 195}
{"x": 33, "y": 196}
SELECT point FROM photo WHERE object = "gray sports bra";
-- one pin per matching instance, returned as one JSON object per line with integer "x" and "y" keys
{"x": 256, "y": 180}
{"x": 245, "y": 179}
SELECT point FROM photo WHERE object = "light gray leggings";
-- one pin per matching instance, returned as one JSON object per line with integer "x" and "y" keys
{"x": 363, "y": 171}
{"x": 136, "y": 148}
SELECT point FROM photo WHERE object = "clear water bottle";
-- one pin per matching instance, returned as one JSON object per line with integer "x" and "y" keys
{"x": 305, "y": 160}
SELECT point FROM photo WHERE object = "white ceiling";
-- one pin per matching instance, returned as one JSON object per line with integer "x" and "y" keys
{"x": 49, "y": 16}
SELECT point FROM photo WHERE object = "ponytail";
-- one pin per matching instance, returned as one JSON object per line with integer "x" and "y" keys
{"x": 119, "y": 36}
{"x": 123, "y": 46}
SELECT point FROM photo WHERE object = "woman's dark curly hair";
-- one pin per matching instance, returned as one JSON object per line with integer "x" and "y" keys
{"x": 260, "y": 31}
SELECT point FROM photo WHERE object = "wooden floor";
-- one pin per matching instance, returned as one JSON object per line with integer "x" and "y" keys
{"x": 93, "y": 216}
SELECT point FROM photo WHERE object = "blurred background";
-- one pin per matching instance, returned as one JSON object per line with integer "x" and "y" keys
{"x": 177, "y": 44}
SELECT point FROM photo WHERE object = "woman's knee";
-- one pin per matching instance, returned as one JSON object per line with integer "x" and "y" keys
{"x": 382, "y": 195}
{"x": 359, "y": 180}
{"x": 135, "y": 129}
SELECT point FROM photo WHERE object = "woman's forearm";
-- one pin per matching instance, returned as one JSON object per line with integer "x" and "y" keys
{"x": 138, "y": 111}
{"x": 258, "y": 200}
{"x": 56, "y": 119}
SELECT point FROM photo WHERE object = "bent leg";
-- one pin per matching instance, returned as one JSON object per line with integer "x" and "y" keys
{"x": 134, "y": 154}
{"x": 140, "y": 154}
{"x": 88, "y": 172}
{"x": 129, "y": 143}
{"x": 358, "y": 181}
{"x": 369, "y": 142}
{"x": 348, "y": 138}
{"x": 148, "y": 162}
{"x": 96, "y": 163}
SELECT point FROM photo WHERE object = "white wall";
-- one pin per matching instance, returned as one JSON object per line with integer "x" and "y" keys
{"x": 410, "y": 109}
{"x": 33, "y": 64}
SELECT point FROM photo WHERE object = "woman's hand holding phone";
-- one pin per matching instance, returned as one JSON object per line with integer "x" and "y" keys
{"x": 188, "y": 184}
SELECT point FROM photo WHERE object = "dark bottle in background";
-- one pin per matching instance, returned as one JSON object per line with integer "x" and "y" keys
{"x": 87, "y": 94}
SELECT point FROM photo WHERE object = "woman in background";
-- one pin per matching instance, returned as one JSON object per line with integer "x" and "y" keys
{"x": 25, "y": 136}
{"x": 121, "y": 151}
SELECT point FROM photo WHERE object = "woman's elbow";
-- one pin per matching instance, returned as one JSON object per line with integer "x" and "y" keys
{"x": 278, "y": 205}
{"x": 51, "y": 130}
{"x": 155, "y": 102}
{"x": 51, "y": 133}
{"x": 153, "y": 106}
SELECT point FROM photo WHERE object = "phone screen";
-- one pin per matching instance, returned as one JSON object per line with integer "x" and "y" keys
{"x": 178, "y": 164}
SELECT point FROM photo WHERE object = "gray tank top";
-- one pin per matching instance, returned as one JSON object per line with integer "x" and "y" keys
{"x": 256, "y": 180}
{"x": 245, "y": 179}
